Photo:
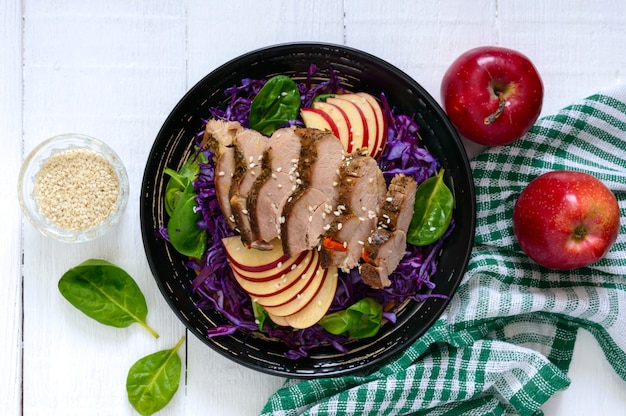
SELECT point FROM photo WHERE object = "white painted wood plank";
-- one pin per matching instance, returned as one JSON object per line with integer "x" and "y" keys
{"x": 225, "y": 30}
{"x": 113, "y": 71}
{"x": 420, "y": 39}
{"x": 577, "y": 47}
{"x": 10, "y": 220}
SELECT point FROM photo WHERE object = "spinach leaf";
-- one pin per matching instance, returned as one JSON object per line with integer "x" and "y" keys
{"x": 360, "y": 320}
{"x": 275, "y": 104}
{"x": 154, "y": 379}
{"x": 433, "y": 211}
{"x": 322, "y": 97}
{"x": 105, "y": 293}
{"x": 180, "y": 180}
{"x": 182, "y": 228}
{"x": 260, "y": 315}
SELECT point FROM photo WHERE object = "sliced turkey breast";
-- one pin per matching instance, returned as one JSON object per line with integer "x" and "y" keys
{"x": 306, "y": 213}
{"x": 388, "y": 249}
{"x": 362, "y": 190}
{"x": 386, "y": 246}
{"x": 218, "y": 137}
{"x": 275, "y": 184}
{"x": 249, "y": 147}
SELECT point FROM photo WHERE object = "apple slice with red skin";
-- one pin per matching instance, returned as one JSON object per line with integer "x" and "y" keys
{"x": 565, "y": 219}
{"x": 317, "y": 119}
{"x": 272, "y": 273}
{"x": 381, "y": 123}
{"x": 300, "y": 287}
{"x": 285, "y": 287}
{"x": 276, "y": 281}
{"x": 341, "y": 121}
{"x": 359, "y": 131}
{"x": 300, "y": 300}
{"x": 253, "y": 260}
{"x": 318, "y": 305}
{"x": 369, "y": 120}
{"x": 278, "y": 320}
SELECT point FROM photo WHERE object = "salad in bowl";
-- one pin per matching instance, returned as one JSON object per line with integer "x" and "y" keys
{"x": 303, "y": 212}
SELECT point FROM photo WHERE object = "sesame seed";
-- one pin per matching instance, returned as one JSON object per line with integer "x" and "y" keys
{"x": 339, "y": 226}
{"x": 221, "y": 173}
{"x": 279, "y": 169}
{"x": 244, "y": 211}
{"x": 76, "y": 189}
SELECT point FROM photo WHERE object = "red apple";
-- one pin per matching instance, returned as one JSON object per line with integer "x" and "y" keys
{"x": 492, "y": 95}
{"x": 564, "y": 220}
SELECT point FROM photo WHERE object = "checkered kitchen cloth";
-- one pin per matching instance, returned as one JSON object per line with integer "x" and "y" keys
{"x": 505, "y": 342}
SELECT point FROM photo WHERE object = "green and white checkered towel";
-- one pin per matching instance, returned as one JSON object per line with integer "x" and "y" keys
{"x": 505, "y": 342}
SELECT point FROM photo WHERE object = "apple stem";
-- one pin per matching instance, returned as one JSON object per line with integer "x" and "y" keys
{"x": 492, "y": 117}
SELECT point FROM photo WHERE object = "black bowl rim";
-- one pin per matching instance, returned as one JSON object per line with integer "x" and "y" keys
{"x": 441, "y": 305}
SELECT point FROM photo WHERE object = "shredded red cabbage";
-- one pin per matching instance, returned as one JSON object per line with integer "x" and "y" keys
{"x": 215, "y": 284}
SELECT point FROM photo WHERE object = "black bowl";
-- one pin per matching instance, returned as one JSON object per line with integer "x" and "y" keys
{"x": 359, "y": 71}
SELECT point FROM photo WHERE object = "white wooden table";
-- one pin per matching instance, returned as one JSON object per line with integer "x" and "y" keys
{"x": 114, "y": 70}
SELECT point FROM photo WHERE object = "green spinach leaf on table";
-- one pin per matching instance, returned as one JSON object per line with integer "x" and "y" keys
{"x": 106, "y": 293}
{"x": 154, "y": 379}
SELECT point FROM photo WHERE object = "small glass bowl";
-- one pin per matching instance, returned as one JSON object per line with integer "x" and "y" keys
{"x": 28, "y": 175}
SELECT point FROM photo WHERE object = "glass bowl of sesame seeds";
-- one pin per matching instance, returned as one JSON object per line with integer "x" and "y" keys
{"x": 73, "y": 187}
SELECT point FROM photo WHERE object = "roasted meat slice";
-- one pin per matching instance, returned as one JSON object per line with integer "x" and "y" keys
{"x": 249, "y": 147}
{"x": 218, "y": 137}
{"x": 362, "y": 190}
{"x": 398, "y": 205}
{"x": 387, "y": 245}
{"x": 385, "y": 251}
{"x": 274, "y": 185}
{"x": 306, "y": 213}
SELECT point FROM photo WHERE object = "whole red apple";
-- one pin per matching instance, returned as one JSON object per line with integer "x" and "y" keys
{"x": 492, "y": 95}
{"x": 564, "y": 219}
